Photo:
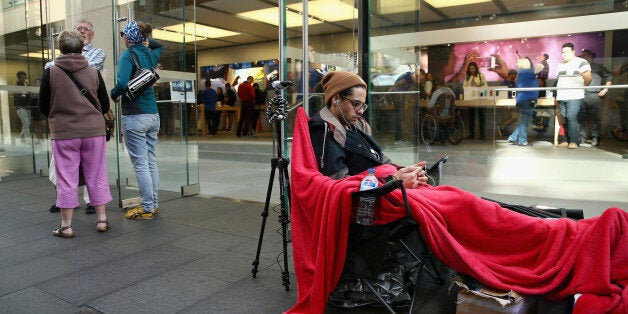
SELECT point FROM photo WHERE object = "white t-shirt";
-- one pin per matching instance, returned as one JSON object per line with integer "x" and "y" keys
{"x": 570, "y": 75}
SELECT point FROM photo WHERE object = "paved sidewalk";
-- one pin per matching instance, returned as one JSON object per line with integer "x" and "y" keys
{"x": 195, "y": 257}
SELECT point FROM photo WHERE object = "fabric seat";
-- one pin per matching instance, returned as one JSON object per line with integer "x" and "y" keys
{"x": 385, "y": 263}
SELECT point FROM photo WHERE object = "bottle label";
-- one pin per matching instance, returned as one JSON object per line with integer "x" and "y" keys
{"x": 365, "y": 214}
{"x": 367, "y": 185}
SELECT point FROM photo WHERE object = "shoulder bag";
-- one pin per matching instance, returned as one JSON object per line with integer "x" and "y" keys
{"x": 141, "y": 79}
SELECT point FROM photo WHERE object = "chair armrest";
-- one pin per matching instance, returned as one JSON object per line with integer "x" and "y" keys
{"x": 380, "y": 190}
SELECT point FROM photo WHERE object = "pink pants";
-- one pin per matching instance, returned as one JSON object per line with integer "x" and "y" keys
{"x": 89, "y": 154}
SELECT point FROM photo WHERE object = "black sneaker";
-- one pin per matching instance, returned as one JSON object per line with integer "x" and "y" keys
{"x": 54, "y": 208}
{"x": 89, "y": 209}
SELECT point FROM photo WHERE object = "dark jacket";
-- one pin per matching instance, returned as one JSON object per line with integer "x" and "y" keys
{"x": 230, "y": 97}
{"x": 70, "y": 114}
{"x": 341, "y": 152}
{"x": 148, "y": 59}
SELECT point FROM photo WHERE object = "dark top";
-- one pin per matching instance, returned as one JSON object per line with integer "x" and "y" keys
{"x": 230, "y": 97}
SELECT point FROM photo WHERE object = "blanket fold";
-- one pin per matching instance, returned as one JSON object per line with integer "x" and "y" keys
{"x": 498, "y": 247}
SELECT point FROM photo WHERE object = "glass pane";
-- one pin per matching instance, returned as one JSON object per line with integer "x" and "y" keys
{"x": 175, "y": 92}
{"x": 23, "y": 134}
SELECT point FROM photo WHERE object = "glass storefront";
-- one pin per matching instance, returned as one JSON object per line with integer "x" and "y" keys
{"x": 386, "y": 42}
{"x": 30, "y": 29}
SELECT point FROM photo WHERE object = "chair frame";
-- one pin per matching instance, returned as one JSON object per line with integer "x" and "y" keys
{"x": 403, "y": 227}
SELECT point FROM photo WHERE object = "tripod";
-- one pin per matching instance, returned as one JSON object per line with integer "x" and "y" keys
{"x": 276, "y": 112}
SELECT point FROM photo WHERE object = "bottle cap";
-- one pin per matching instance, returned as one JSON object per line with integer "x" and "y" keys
{"x": 371, "y": 170}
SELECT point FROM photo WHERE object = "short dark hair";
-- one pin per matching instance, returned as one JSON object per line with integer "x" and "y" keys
{"x": 70, "y": 42}
{"x": 589, "y": 52}
{"x": 546, "y": 56}
{"x": 20, "y": 73}
{"x": 569, "y": 45}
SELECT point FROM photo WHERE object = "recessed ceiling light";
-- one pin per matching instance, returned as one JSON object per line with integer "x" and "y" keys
{"x": 453, "y": 3}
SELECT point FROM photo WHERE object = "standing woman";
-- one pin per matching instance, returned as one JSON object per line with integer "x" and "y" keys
{"x": 140, "y": 118}
{"x": 77, "y": 130}
{"x": 475, "y": 79}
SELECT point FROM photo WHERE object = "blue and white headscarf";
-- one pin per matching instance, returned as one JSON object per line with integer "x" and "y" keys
{"x": 132, "y": 33}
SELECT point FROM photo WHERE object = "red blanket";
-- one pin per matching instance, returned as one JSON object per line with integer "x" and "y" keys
{"x": 499, "y": 247}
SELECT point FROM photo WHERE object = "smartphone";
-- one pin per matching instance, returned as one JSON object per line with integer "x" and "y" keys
{"x": 493, "y": 62}
{"x": 483, "y": 62}
{"x": 435, "y": 165}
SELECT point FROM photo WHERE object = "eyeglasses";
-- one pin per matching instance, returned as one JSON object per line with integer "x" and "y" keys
{"x": 357, "y": 105}
{"x": 81, "y": 28}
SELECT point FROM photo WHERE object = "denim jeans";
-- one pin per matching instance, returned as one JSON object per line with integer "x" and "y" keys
{"x": 520, "y": 134}
{"x": 569, "y": 109}
{"x": 25, "y": 118}
{"x": 140, "y": 138}
{"x": 590, "y": 114}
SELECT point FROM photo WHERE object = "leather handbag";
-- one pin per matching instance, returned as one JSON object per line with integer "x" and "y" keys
{"x": 141, "y": 79}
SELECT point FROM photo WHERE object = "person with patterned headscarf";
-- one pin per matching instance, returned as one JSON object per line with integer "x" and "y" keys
{"x": 140, "y": 118}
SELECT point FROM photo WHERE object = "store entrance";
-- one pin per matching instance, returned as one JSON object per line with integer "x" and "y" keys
{"x": 29, "y": 44}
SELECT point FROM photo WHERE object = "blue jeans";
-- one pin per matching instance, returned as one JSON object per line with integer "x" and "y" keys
{"x": 520, "y": 134}
{"x": 25, "y": 118}
{"x": 140, "y": 138}
{"x": 569, "y": 109}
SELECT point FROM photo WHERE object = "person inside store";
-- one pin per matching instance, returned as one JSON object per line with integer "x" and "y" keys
{"x": 475, "y": 79}
{"x": 572, "y": 72}
{"x": 228, "y": 116}
{"x": 430, "y": 85}
{"x": 406, "y": 82}
{"x": 260, "y": 103}
{"x": 77, "y": 130}
{"x": 208, "y": 98}
{"x": 511, "y": 114}
{"x": 441, "y": 89}
{"x": 525, "y": 100}
{"x": 589, "y": 115}
{"x": 140, "y": 118}
{"x": 22, "y": 106}
{"x": 246, "y": 92}
{"x": 39, "y": 120}
{"x": 620, "y": 132}
{"x": 544, "y": 73}
{"x": 500, "y": 248}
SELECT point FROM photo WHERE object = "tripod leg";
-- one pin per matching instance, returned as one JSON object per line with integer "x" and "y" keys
{"x": 284, "y": 219}
{"x": 264, "y": 215}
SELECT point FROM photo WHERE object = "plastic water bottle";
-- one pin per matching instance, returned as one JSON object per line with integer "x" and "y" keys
{"x": 370, "y": 181}
{"x": 365, "y": 214}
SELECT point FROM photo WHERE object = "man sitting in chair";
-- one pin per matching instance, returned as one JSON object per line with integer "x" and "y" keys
{"x": 500, "y": 248}
{"x": 342, "y": 138}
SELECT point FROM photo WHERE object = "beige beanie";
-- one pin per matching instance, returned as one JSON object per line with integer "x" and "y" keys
{"x": 338, "y": 81}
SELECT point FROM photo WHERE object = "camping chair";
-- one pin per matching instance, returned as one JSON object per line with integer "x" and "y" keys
{"x": 385, "y": 263}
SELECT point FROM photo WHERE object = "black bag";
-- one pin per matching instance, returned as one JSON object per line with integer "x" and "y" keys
{"x": 141, "y": 80}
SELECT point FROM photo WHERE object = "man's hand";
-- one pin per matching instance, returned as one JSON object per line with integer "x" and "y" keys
{"x": 412, "y": 176}
{"x": 500, "y": 68}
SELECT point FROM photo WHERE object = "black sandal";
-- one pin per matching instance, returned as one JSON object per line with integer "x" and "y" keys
{"x": 59, "y": 232}
{"x": 106, "y": 222}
